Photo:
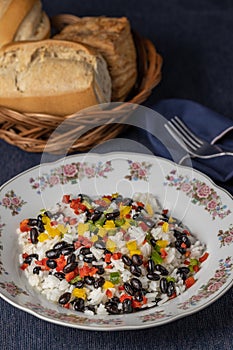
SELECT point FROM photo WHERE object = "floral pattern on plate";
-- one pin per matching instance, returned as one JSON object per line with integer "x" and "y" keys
{"x": 157, "y": 315}
{"x": 12, "y": 202}
{"x": 70, "y": 173}
{"x": 71, "y": 318}
{"x": 1, "y": 247}
{"x": 213, "y": 285}
{"x": 199, "y": 192}
{"x": 138, "y": 171}
{"x": 13, "y": 289}
{"x": 226, "y": 237}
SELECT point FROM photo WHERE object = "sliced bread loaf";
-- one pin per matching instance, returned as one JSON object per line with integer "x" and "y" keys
{"x": 52, "y": 76}
{"x": 113, "y": 39}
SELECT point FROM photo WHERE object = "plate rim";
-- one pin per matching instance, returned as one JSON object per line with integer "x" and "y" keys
{"x": 119, "y": 327}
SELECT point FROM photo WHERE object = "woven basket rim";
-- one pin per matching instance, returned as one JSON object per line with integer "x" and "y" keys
{"x": 31, "y": 131}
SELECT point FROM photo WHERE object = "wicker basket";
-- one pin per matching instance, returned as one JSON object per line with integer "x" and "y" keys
{"x": 31, "y": 131}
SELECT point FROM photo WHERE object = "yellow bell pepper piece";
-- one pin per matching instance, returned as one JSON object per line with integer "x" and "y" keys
{"x": 82, "y": 228}
{"x": 62, "y": 228}
{"x": 94, "y": 238}
{"x": 165, "y": 227}
{"x": 149, "y": 209}
{"x": 102, "y": 232}
{"x": 132, "y": 245}
{"x": 109, "y": 224}
{"x": 162, "y": 243}
{"x": 43, "y": 237}
{"x": 110, "y": 245}
{"x": 124, "y": 210}
{"x": 136, "y": 251}
{"x": 79, "y": 293}
{"x": 108, "y": 284}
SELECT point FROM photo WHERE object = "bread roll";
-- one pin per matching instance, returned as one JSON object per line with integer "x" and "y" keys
{"x": 22, "y": 20}
{"x": 112, "y": 38}
{"x": 35, "y": 26}
{"x": 52, "y": 76}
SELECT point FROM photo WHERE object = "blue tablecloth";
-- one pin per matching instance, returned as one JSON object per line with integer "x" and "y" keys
{"x": 195, "y": 40}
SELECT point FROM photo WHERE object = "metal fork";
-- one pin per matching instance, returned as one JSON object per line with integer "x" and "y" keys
{"x": 192, "y": 144}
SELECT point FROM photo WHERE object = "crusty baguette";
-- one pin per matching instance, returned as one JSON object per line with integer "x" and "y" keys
{"x": 13, "y": 14}
{"x": 113, "y": 39}
{"x": 35, "y": 26}
{"x": 52, "y": 76}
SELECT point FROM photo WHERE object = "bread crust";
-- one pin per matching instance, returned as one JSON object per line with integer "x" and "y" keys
{"x": 35, "y": 96}
{"x": 113, "y": 39}
{"x": 12, "y": 17}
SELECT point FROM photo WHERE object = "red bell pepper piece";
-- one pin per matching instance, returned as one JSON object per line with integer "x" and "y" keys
{"x": 24, "y": 227}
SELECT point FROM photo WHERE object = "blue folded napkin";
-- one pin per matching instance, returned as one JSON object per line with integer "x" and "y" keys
{"x": 205, "y": 123}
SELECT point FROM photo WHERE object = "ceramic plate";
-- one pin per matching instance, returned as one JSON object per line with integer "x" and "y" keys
{"x": 205, "y": 208}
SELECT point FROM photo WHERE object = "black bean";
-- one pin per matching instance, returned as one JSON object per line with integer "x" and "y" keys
{"x": 51, "y": 263}
{"x": 99, "y": 282}
{"x": 71, "y": 258}
{"x": 153, "y": 276}
{"x": 161, "y": 269}
{"x": 177, "y": 233}
{"x": 151, "y": 266}
{"x": 126, "y": 260}
{"x": 100, "y": 268}
{"x": 163, "y": 285}
{"x": 52, "y": 254}
{"x": 135, "y": 270}
{"x": 170, "y": 288}
{"x": 79, "y": 305}
{"x": 36, "y": 270}
{"x": 32, "y": 222}
{"x": 181, "y": 250}
{"x": 80, "y": 196}
{"x": 89, "y": 259}
{"x": 67, "y": 250}
{"x": 59, "y": 275}
{"x": 91, "y": 308}
{"x": 128, "y": 288}
{"x": 79, "y": 284}
{"x": 39, "y": 217}
{"x": 113, "y": 215}
{"x": 115, "y": 300}
{"x": 136, "y": 283}
{"x": 64, "y": 298}
{"x": 137, "y": 217}
{"x": 70, "y": 267}
{"x": 34, "y": 235}
{"x": 99, "y": 244}
{"x": 153, "y": 242}
{"x": 94, "y": 216}
{"x": 90, "y": 280}
{"x": 60, "y": 245}
{"x": 48, "y": 214}
{"x": 137, "y": 260}
{"x": 30, "y": 257}
{"x": 112, "y": 308}
{"x": 85, "y": 251}
{"x": 127, "y": 306}
{"x": 183, "y": 269}
{"x": 40, "y": 224}
{"x": 138, "y": 296}
{"x": 186, "y": 240}
{"x": 139, "y": 208}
